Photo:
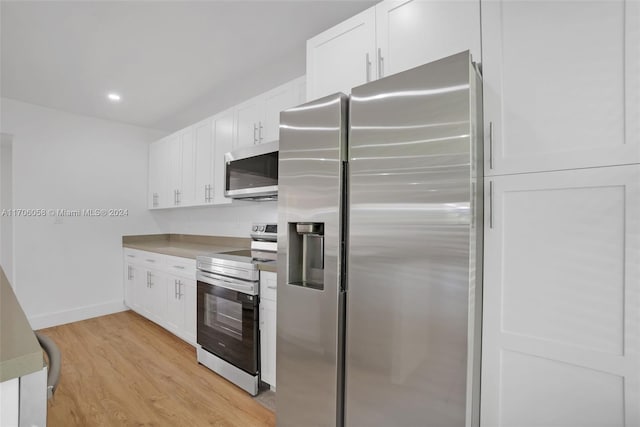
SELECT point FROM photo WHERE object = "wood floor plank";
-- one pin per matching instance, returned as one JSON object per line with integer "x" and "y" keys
{"x": 123, "y": 370}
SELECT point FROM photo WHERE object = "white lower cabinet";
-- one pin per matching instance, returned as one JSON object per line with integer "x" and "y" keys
{"x": 181, "y": 307}
{"x": 268, "y": 298}
{"x": 562, "y": 299}
{"x": 162, "y": 288}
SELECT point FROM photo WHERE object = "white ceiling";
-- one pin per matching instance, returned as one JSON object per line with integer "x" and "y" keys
{"x": 172, "y": 62}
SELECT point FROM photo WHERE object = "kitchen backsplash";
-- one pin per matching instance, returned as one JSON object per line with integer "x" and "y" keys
{"x": 232, "y": 220}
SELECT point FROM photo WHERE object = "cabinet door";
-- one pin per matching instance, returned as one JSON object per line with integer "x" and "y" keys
{"x": 562, "y": 299}
{"x": 174, "y": 319}
{"x": 414, "y": 32}
{"x": 268, "y": 341}
{"x": 223, "y": 125}
{"x": 143, "y": 294}
{"x": 130, "y": 276}
{"x": 188, "y": 297}
{"x": 158, "y": 164}
{"x": 156, "y": 303}
{"x": 281, "y": 98}
{"x": 342, "y": 57}
{"x": 249, "y": 116}
{"x": 204, "y": 160}
{"x": 561, "y": 84}
{"x": 174, "y": 164}
{"x": 186, "y": 195}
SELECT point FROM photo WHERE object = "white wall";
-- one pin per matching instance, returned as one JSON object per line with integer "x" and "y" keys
{"x": 228, "y": 220}
{"x": 6, "y": 202}
{"x": 73, "y": 270}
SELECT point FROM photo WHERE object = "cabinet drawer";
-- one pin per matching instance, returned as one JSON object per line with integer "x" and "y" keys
{"x": 268, "y": 286}
{"x": 133, "y": 255}
{"x": 152, "y": 260}
{"x": 181, "y": 266}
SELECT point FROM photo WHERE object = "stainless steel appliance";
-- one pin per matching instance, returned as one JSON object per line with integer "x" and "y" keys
{"x": 252, "y": 172}
{"x": 379, "y": 253}
{"x": 227, "y": 313}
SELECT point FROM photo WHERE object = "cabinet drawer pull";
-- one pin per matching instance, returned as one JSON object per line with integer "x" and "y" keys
{"x": 271, "y": 287}
{"x": 179, "y": 267}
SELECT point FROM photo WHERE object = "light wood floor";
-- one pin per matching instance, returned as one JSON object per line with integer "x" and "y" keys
{"x": 123, "y": 370}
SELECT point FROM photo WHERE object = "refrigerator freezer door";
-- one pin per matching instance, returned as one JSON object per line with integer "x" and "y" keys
{"x": 312, "y": 139}
{"x": 412, "y": 247}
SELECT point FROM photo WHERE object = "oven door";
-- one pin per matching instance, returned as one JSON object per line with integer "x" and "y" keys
{"x": 228, "y": 324}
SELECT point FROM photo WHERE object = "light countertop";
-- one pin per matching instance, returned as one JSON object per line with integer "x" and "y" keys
{"x": 20, "y": 352}
{"x": 190, "y": 246}
{"x": 183, "y": 245}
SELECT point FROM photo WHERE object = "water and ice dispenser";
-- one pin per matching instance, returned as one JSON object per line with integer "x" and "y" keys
{"x": 306, "y": 254}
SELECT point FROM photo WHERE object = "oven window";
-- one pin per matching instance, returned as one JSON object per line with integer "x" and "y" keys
{"x": 223, "y": 315}
{"x": 253, "y": 172}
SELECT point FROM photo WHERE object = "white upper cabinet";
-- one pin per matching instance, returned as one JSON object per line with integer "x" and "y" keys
{"x": 392, "y": 36}
{"x": 258, "y": 119}
{"x": 223, "y": 137}
{"x": 277, "y": 100}
{"x": 410, "y": 33}
{"x": 343, "y": 56}
{"x": 181, "y": 188}
{"x": 250, "y": 117}
{"x": 561, "y": 84}
{"x": 204, "y": 162}
{"x": 158, "y": 164}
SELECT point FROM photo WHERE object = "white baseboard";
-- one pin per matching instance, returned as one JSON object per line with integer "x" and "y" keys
{"x": 81, "y": 313}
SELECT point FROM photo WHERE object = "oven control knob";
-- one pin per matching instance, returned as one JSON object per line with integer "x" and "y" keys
{"x": 255, "y": 228}
{"x": 261, "y": 229}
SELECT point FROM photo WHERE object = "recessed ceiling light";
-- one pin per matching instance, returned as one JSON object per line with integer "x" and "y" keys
{"x": 113, "y": 97}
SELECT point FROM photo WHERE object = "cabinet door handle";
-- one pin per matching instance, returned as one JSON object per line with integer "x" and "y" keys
{"x": 368, "y": 67}
{"x": 175, "y": 289}
{"x": 178, "y": 194}
{"x": 255, "y": 129}
{"x": 380, "y": 64}
{"x": 150, "y": 279}
{"x": 260, "y": 131}
{"x": 180, "y": 294}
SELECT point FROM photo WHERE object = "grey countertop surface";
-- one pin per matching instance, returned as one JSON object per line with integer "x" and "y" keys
{"x": 268, "y": 266}
{"x": 185, "y": 246}
{"x": 189, "y": 246}
{"x": 20, "y": 352}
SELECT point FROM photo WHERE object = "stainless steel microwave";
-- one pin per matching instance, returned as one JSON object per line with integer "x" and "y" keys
{"x": 251, "y": 173}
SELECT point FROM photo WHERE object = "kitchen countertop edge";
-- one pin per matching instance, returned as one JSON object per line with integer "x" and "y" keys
{"x": 21, "y": 353}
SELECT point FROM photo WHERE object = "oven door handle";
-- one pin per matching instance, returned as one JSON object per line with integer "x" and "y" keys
{"x": 227, "y": 283}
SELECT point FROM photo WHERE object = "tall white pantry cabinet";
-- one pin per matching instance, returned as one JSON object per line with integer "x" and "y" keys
{"x": 561, "y": 327}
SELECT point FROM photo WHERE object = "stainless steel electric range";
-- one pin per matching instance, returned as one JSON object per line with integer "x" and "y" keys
{"x": 228, "y": 287}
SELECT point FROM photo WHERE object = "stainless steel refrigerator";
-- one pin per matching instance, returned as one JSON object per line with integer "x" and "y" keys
{"x": 379, "y": 253}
